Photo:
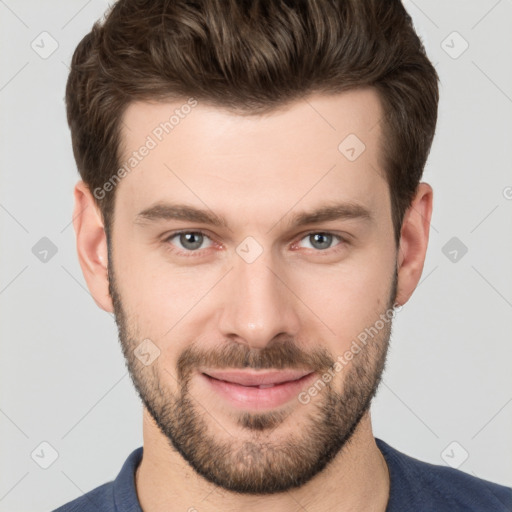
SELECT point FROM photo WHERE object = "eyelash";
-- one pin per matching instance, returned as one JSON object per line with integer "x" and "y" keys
{"x": 198, "y": 252}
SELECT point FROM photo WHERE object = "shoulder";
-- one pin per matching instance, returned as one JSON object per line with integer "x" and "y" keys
{"x": 100, "y": 499}
{"x": 419, "y": 485}
{"x": 120, "y": 494}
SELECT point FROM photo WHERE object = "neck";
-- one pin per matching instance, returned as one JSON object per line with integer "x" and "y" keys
{"x": 357, "y": 479}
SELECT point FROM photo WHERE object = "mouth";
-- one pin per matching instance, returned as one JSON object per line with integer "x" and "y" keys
{"x": 257, "y": 390}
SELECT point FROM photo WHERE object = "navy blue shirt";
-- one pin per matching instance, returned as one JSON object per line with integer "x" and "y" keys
{"x": 416, "y": 486}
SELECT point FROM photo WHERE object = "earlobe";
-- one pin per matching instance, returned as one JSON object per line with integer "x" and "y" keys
{"x": 91, "y": 244}
{"x": 414, "y": 242}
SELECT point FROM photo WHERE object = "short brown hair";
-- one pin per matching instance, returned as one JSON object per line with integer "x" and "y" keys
{"x": 250, "y": 57}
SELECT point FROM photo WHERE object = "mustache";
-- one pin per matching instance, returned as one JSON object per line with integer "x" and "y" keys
{"x": 283, "y": 355}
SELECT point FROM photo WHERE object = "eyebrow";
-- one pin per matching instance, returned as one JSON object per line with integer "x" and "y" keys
{"x": 336, "y": 211}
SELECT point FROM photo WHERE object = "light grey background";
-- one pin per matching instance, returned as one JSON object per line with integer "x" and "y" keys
{"x": 63, "y": 379}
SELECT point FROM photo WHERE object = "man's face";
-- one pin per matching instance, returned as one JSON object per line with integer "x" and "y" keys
{"x": 260, "y": 300}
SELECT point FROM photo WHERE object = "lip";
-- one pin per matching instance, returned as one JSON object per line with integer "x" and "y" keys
{"x": 240, "y": 387}
{"x": 257, "y": 378}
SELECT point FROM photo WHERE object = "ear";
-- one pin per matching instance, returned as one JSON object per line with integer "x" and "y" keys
{"x": 91, "y": 244}
{"x": 413, "y": 242}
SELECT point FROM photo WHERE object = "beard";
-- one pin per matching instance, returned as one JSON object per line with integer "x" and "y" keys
{"x": 255, "y": 457}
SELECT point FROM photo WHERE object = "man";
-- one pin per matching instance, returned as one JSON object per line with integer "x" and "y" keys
{"x": 250, "y": 208}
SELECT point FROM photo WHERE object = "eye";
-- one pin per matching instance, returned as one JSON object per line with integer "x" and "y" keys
{"x": 320, "y": 240}
{"x": 189, "y": 240}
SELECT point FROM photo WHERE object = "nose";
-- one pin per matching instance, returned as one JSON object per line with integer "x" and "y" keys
{"x": 258, "y": 305}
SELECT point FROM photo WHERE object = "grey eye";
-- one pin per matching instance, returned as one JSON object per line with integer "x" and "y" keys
{"x": 320, "y": 241}
{"x": 191, "y": 240}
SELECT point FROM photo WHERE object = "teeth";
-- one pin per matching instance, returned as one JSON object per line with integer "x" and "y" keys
{"x": 263, "y": 386}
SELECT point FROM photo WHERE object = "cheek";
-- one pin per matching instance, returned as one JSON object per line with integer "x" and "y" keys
{"x": 164, "y": 302}
{"x": 160, "y": 299}
{"x": 151, "y": 296}
{"x": 347, "y": 298}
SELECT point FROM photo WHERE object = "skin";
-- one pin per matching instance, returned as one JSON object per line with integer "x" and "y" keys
{"x": 257, "y": 172}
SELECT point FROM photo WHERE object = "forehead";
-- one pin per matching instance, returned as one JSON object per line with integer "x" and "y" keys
{"x": 320, "y": 148}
